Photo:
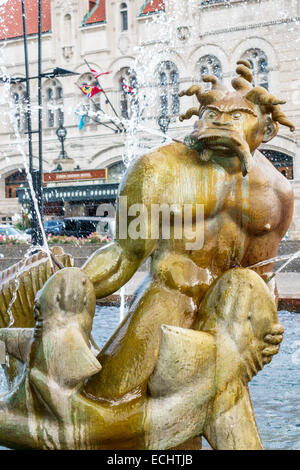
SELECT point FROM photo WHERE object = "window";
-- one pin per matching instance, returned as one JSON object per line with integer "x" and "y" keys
{"x": 92, "y": 4}
{"x": 209, "y": 65}
{"x": 67, "y": 30}
{"x": 124, "y": 16}
{"x": 13, "y": 182}
{"x": 282, "y": 162}
{"x": 259, "y": 67}
{"x": 55, "y": 103}
{"x": 168, "y": 83}
{"x": 50, "y": 107}
{"x": 17, "y": 117}
{"x": 129, "y": 88}
{"x": 19, "y": 100}
{"x": 59, "y": 102}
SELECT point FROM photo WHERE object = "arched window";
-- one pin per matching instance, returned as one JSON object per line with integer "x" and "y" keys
{"x": 209, "y": 65}
{"x": 19, "y": 99}
{"x": 129, "y": 89}
{"x": 259, "y": 67}
{"x": 13, "y": 182}
{"x": 55, "y": 103}
{"x": 50, "y": 107}
{"x": 17, "y": 116}
{"x": 87, "y": 106}
{"x": 167, "y": 77}
{"x": 67, "y": 30}
{"x": 282, "y": 162}
{"x": 59, "y": 103}
{"x": 124, "y": 16}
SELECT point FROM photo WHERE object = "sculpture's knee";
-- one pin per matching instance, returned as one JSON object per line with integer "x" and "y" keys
{"x": 238, "y": 296}
{"x": 182, "y": 274}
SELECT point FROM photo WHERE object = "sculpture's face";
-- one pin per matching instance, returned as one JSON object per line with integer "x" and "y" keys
{"x": 232, "y": 121}
{"x": 232, "y": 127}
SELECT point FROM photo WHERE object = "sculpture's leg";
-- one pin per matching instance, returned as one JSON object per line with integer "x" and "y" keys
{"x": 244, "y": 310}
{"x": 234, "y": 429}
{"x": 130, "y": 355}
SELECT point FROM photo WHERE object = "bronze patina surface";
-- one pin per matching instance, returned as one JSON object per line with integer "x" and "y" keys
{"x": 201, "y": 325}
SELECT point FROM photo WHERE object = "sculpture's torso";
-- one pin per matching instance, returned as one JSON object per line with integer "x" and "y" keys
{"x": 241, "y": 215}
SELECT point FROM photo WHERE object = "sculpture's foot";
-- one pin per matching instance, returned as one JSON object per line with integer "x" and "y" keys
{"x": 191, "y": 444}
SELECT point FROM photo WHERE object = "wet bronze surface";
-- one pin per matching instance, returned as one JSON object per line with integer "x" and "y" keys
{"x": 198, "y": 328}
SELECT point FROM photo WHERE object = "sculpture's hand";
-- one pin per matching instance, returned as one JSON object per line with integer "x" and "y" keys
{"x": 272, "y": 340}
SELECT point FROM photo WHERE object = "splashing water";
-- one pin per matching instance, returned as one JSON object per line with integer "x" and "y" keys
{"x": 31, "y": 250}
{"x": 20, "y": 148}
{"x": 290, "y": 257}
{"x": 20, "y": 144}
{"x": 122, "y": 303}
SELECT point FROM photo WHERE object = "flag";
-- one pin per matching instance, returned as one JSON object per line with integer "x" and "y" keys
{"x": 90, "y": 90}
{"x": 97, "y": 74}
{"x": 127, "y": 88}
{"x": 80, "y": 118}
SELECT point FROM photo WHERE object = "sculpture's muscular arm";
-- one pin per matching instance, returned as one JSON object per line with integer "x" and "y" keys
{"x": 263, "y": 246}
{"x": 109, "y": 268}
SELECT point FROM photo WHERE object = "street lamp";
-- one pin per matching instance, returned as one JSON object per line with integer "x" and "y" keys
{"x": 61, "y": 133}
{"x": 37, "y": 175}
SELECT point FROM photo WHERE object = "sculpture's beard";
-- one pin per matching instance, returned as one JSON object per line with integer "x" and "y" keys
{"x": 225, "y": 143}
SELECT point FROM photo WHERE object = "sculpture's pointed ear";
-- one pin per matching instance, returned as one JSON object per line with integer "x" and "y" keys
{"x": 271, "y": 129}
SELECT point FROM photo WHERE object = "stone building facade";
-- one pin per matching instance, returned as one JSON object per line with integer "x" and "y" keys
{"x": 163, "y": 46}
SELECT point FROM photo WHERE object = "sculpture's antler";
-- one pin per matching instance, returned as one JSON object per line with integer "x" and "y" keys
{"x": 193, "y": 90}
{"x": 279, "y": 116}
{"x": 243, "y": 82}
{"x": 190, "y": 112}
{"x": 262, "y": 97}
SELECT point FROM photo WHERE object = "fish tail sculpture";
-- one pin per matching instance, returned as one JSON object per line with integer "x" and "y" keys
{"x": 19, "y": 285}
{"x": 23, "y": 280}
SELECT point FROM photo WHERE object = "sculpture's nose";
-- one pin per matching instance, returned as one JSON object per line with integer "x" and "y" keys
{"x": 223, "y": 120}
{"x": 222, "y": 123}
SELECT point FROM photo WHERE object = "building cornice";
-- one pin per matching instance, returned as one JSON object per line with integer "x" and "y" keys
{"x": 295, "y": 19}
{"x": 224, "y": 3}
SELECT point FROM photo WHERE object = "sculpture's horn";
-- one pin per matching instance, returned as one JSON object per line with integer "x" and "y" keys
{"x": 244, "y": 69}
{"x": 190, "y": 112}
{"x": 193, "y": 90}
{"x": 243, "y": 82}
{"x": 216, "y": 86}
{"x": 260, "y": 96}
{"x": 279, "y": 116}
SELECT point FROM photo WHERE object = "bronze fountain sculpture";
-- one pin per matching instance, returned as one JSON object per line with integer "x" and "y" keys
{"x": 200, "y": 326}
